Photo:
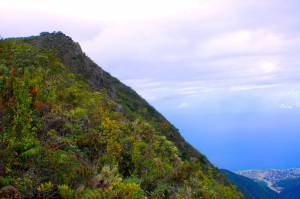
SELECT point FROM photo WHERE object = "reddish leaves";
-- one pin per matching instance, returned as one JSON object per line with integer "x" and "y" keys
{"x": 1, "y": 107}
{"x": 13, "y": 71}
{"x": 33, "y": 90}
{"x": 11, "y": 102}
{"x": 9, "y": 192}
{"x": 41, "y": 107}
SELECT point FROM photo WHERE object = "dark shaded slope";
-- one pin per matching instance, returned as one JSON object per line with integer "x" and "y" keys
{"x": 291, "y": 188}
{"x": 287, "y": 183}
{"x": 290, "y": 193}
{"x": 72, "y": 56}
{"x": 250, "y": 188}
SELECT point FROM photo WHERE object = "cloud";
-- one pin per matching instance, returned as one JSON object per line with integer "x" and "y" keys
{"x": 290, "y": 100}
{"x": 241, "y": 42}
{"x": 286, "y": 106}
{"x": 251, "y": 87}
{"x": 117, "y": 10}
{"x": 268, "y": 67}
{"x": 173, "y": 49}
{"x": 182, "y": 105}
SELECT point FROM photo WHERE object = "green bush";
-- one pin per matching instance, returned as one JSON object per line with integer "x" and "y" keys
{"x": 63, "y": 138}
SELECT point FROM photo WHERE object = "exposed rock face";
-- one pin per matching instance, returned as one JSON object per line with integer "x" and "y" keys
{"x": 72, "y": 56}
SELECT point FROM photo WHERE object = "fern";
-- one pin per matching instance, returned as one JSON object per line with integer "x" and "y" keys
{"x": 84, "y": 193}
{"x": 30, "y": 153}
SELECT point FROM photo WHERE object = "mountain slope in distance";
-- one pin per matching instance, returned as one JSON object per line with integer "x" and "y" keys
{"x": 292, "y": 192}
{"x": 250, "y": 188}
{"x": 290, "y": 188}
{"x": 71, "y": 130}
{"x": 277, "y": 179}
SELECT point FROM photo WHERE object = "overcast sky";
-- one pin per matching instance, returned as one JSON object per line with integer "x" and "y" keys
{"x": 225, "y": 72}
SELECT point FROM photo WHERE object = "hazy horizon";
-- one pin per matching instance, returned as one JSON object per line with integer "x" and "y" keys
{"x": 225, "y": 73}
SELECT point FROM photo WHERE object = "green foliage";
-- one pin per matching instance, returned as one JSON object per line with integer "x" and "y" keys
{"x": 65, "y": 191}
{"x": 4, "y": 181}
{"x": 63, "y": 138}
{"x": 128, "y": 190}
{"x": 48, "y": 186}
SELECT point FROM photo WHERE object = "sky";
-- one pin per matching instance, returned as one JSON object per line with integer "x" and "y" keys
{"x": 224, "y": 72}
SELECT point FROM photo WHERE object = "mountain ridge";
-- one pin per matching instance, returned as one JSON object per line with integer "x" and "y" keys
{"x": 71, "y": 130}
{"x": 79, "y": 63}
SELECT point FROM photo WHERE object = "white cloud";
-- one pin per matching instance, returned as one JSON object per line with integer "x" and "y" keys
{"x": 172, "y": 48}
{"x": 251, "y": 87}
{"x": 290, "y": 100}
{"x": 241, "y": 42}
{"x": 183, "y": 105}
{"x": 269, "y": 67}
{"x": 117, "y": 10}
{"x": 286, "y": 106}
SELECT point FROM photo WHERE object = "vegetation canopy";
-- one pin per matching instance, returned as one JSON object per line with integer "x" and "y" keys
{"x": 63, "y": 134}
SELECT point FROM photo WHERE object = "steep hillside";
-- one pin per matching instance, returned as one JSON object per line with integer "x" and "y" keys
{"x": 250, "y": 188}
{"x": 77, "y": 62}
{"x": 71, "y": 130}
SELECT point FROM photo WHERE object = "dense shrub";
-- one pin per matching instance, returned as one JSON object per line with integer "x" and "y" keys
{"x": 60, "y": 137}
